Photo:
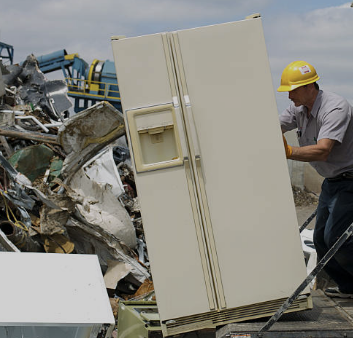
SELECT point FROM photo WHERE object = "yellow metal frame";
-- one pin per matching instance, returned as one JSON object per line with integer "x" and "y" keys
{"x": 71, "y": 56}
{"x": 85, "y": 87}
{"x": 92, "y": 85}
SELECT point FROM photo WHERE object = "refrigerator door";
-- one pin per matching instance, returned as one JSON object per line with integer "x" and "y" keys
{"x": 253, "y": 226}
{"x": 195, "y": 155}
{"x": 163, "y": 176}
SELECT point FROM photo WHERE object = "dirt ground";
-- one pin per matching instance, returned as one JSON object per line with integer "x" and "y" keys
{"x": 305, "y": 205}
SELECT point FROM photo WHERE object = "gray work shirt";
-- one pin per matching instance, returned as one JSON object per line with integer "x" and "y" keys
{"x": 331, "y": 117}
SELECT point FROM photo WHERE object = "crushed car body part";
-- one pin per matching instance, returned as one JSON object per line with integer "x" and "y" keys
{"x": 102, "y": 168}
{"x": 105, "y": 209}
{"x": 85, "y": 134}
{"x": 89, "y": 239}
{"x": 34, "y": 88}
{"x": 56, "y": 92}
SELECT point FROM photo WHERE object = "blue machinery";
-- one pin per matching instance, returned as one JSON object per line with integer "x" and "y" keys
{"x": 86, "y": 84}
{"x": 9, "y": 52}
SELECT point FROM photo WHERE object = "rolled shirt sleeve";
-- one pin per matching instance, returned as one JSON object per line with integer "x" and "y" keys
{"x": 335, "y": 124}
{"x": 288, "y": 119}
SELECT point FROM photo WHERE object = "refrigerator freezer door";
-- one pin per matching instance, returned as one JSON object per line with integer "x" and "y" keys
{"x": 195, "y": 154}
{"x": 247, "y": 184}
{"x": 168, "y": 205}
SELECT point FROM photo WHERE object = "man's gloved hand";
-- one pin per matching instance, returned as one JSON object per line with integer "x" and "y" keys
{"x": 287, "y": 148}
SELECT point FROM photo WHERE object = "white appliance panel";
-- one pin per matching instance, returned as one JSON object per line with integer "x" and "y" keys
{"x": 46, "y": 289}
{"x": 245, "y": 170}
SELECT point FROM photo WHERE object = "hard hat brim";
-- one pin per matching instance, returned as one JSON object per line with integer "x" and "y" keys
{"x": 289, "y": 88}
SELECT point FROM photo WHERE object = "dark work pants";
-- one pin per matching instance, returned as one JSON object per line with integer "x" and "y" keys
{"x": 334, "y": 215}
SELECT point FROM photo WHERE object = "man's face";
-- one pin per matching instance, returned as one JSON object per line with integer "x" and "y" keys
{"x": 299, "y": 96}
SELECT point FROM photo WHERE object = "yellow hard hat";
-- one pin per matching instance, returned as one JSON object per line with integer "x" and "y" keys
{"x": 297, "y": 74}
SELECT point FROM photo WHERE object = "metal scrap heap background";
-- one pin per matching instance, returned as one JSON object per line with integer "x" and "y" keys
{"x": 66, "y": 182}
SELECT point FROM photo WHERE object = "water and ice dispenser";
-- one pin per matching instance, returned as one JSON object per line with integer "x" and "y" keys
{"x": 154, "y": 137}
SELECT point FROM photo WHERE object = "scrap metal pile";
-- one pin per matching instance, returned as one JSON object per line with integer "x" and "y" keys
{"x": 66, "y": 182}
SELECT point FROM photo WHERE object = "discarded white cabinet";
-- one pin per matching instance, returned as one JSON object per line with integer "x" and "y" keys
{"x": 52, "y": 295}
{"x": 211, "y": 174}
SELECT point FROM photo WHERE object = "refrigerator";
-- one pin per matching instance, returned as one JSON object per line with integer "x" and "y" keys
{"x": 211, "y": 174}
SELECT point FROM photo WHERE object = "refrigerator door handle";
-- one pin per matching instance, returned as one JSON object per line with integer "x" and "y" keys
{"x": 213, "y": 259}
{"x": 179, "y": 122}
{"x": 210, "y": 238}
{"x": 200, "y": 233}
{"x": 192, "y": 128}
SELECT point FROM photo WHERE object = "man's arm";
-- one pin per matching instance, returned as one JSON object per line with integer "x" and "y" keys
{"x": 317, "y": 152}
{"x": 288, "y": 120}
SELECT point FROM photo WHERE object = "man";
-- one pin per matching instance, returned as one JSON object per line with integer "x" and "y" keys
{"x": 325, "y": 133}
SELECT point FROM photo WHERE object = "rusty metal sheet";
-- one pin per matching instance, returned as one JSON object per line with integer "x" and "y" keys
{"x": 85, "y": 134}
{"x": 95, "y": 125}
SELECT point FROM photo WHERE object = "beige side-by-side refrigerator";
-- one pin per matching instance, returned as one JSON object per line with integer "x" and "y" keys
{"x": 211, "y": 174}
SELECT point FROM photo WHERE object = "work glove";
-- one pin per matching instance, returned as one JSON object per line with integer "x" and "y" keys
{"x": 287, "y": 148}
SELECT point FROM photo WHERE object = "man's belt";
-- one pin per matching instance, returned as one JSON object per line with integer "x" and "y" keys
{"x": 344, "y": 176}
